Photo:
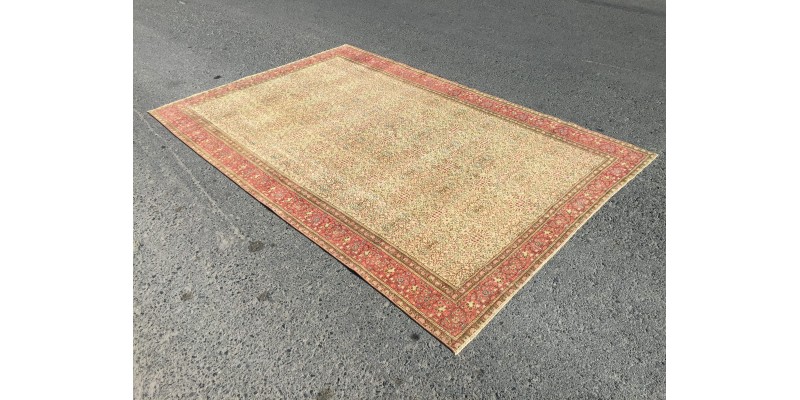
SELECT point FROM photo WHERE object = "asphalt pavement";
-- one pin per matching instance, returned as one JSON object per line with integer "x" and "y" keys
{"x": 231, "y": 302}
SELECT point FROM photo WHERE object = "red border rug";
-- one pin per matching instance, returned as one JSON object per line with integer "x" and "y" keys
{"x": 453, "y": 314}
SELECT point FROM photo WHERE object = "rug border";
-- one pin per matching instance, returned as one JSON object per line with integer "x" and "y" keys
{"x": 473, "y": 328}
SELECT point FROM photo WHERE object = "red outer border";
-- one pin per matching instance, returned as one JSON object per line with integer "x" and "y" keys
{"x": 452, "y": 317}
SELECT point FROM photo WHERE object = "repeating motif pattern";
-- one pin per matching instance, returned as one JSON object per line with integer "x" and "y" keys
{"x": 453, "y": 315}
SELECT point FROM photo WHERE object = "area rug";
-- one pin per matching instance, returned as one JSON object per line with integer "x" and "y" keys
{"x": 444, "y": 199}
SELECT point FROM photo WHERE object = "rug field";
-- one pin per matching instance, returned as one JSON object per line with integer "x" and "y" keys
{"x": 443, "y": 198}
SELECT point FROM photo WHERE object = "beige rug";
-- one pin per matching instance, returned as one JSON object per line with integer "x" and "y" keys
{"x": 445, "y": 199}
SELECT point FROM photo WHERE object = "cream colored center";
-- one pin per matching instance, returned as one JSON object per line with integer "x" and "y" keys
{"x": 448, "y": 185}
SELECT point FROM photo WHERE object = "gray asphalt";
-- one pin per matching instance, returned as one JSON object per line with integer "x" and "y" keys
{"x": 231, "y": 302}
